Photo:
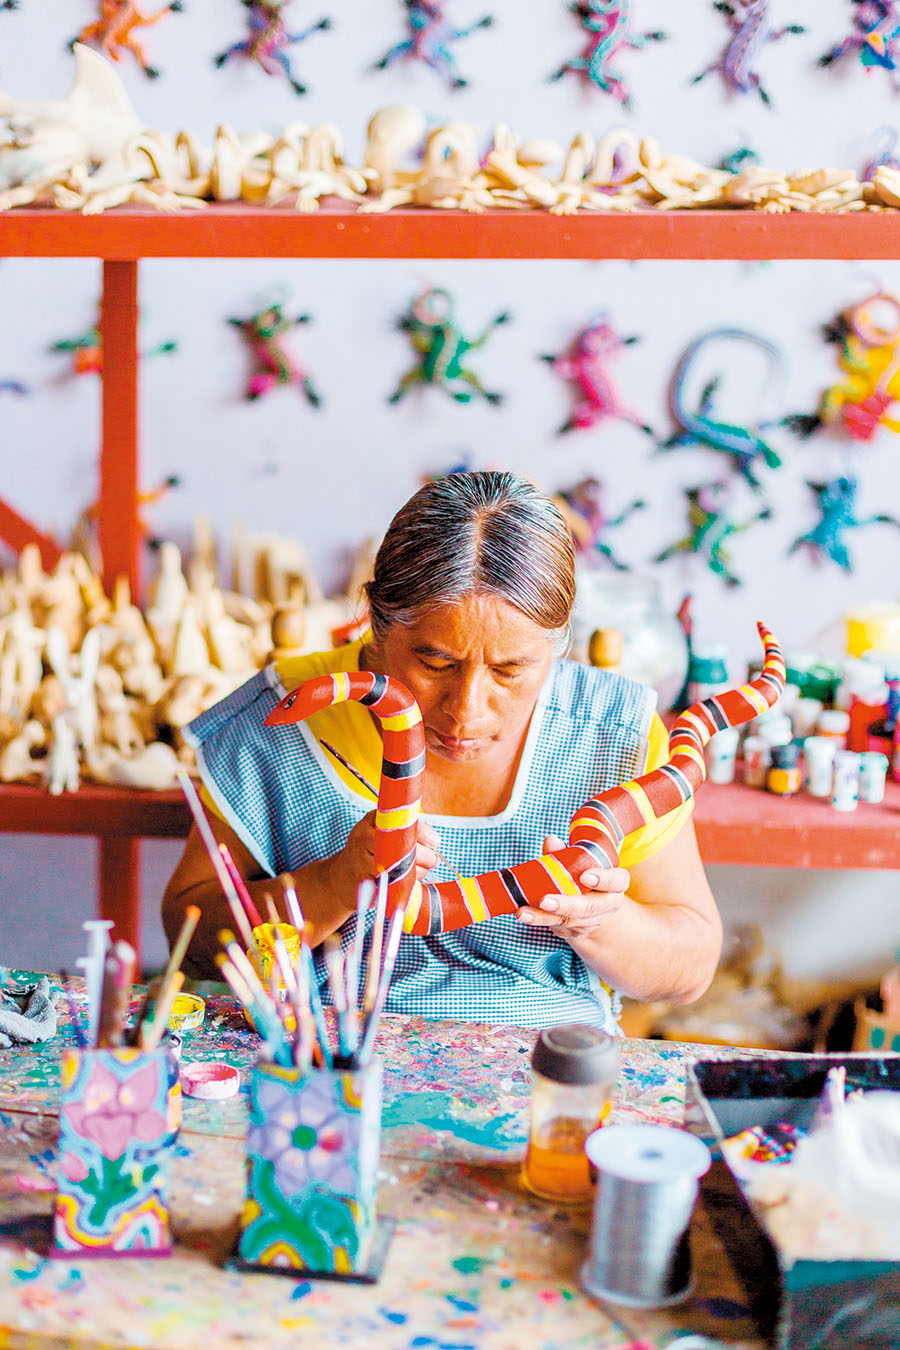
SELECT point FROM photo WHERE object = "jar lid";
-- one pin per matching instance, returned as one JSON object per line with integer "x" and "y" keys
{"x": 709, "y": 664}
{"x": 575, "y": 1053}
{"x": 786, "y": 756}
{"x": 833, "y": 719}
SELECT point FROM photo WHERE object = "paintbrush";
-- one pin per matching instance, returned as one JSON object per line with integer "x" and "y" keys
{"x": 286, "y": 969}
{"x": 221, "y": 871}
{"x": 334, "y": 964}
{"x": 292, "y": 902}
{"x": 262, "y": 1010}
{"x": 315, "y": 1003}
{"x": 373, "y": 967}
{"x": 351, "y": 768}
{"x": 81, "y": 1039}
{"x": 185, "y": 933}
{"x": 152, "y": 1032}
{"x": 240, "y": 886}
{"x": 118, "y": 971}
{"x": 395, "y": 932}
{"x": 365, "y": 894}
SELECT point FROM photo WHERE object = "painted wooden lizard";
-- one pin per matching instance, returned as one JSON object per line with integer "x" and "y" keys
{"x": 113, "y": 31}
{"x": 875, "y": 37}
{"x": 430, "y": 39}
{"x": 743, "y": 445}
{"x": 268, "y": 40}
{"x": 582, "y": 506}
{"x": 836, "y": 499}
{"x": 586, "y": 366}
{"x": 265, "y": 333}
{"x": 441, "y": 347}
{"x": 710, "y": 528}
{"x": 751, "y": 29}
{"x": 607, "y": 24}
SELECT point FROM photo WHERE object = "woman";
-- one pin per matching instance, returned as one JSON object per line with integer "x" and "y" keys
{"x": 469, "y": 606}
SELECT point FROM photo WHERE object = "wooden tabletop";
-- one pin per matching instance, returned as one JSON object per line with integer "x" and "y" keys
{"x": 475, "y": 1260}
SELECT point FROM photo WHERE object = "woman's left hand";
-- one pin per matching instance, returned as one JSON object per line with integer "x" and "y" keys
{"x": 579, "y": 915}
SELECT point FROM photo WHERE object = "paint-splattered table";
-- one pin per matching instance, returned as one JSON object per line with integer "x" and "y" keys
{"x": 476, "y": 1262}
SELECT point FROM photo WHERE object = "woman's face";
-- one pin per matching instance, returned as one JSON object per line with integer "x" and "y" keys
{"x": 475, "y": 667}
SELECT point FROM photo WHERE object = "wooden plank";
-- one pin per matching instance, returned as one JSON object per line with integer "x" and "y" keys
{"x": 236, "y": 231}
{"x": 119, "y": 528}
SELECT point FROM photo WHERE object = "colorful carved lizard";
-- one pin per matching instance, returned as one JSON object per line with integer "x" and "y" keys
{"x": 87, "y": 353}
{"x": 870, "y": 355}
{"x": 264, "y": 333}
{"x": 875, "y": 37}
{"x": 586, "y": 366}
{"x": 596, "y": 830}
{"x": 582, "y": 506}
{"x": 431, "y": 329}
{"x": 268, "y": 39}
{"x": 710, "y": 527}
{"x": 114, "y": 28}
{"x": 430, "y": 38}
{"x": 607, "y": 24}
{"x": 836, "y": 499}
{"x": 744, "y": 446}
{"x": 751, "y": 28}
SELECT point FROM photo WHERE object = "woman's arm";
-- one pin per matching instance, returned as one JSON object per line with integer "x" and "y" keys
{"x": 326, "y": 889}
{"x": 651, "y": 933}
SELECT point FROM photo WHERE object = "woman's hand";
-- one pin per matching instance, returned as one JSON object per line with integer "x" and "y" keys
{"x": 357, "y": 858}
{"x": 579, "y": 915}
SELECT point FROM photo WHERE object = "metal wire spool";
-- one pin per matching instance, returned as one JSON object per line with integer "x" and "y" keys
{"x": 646, "y": 1187}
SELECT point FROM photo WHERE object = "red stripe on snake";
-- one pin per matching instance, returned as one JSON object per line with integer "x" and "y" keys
{"x": 596, "y": 830}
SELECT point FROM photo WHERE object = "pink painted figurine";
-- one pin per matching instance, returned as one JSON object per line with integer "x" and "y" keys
{"x": 268, "y": 39}
{"x": 607, "y": 24}
{"x": 265, "y": 333}
{"x": 587, "y": 366}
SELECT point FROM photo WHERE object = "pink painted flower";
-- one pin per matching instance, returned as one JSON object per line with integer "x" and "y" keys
{"x": 112, "y": 1112}
{"x": 73, "y": 1167}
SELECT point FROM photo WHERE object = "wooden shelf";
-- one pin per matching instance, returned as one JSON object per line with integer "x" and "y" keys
{"x": 235, "y": 231}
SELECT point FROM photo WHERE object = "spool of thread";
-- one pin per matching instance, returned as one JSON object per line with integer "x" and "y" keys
{"x": 845, "y": 784}
{"x": 647, "y": 1178}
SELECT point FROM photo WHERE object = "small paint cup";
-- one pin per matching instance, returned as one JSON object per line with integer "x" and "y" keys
{"x": 757, "y": 757}
{"x": 805, "y": 716}
{"x": 818, "y": 755}
{"x": 873, "y": 768}
{"x": 783, "y": 777}
{"x": 187, "y": 1013}
{"x": 833, "y": 723}
{"x": 845, "y": 784}
{"x": 774, "y": 728}
{"x": 720, "y": 753}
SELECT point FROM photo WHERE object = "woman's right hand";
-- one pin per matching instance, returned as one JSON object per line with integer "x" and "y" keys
{"x": 357, "y": 857}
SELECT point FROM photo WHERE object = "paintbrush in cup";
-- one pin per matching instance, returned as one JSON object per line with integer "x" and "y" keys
{"x": 212, "y": 848}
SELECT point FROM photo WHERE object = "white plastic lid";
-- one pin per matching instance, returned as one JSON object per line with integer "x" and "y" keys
{"x": 647, "y": 1153}
{"x": 833, "y": 720}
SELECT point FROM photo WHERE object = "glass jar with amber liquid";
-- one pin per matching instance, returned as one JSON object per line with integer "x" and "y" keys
{"x": 574, "y": 1070}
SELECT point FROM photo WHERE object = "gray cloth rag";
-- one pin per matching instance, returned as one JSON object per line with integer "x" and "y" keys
{"x": 29, "y": 1014}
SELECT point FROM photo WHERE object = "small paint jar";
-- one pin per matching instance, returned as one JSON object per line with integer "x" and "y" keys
{"x": 845, "y": 784}
{"x": 774, "y": 728}
{"x": 757, "y": 758}
{"x": 720, "y": 754}
{"x": 574, "y": 1069}
{"x": 873, "y": 767}
{"x": 783, "y": 777}
{"x": 818, "y": 755}
{"x": 833, "y": 723}
{"x": 805, "y": 717}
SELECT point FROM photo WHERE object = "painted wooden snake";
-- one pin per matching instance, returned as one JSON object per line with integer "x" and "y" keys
{"x": 596, "y": 830}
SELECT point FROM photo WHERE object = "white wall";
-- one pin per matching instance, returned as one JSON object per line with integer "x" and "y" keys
{"x": 335, "y": 476}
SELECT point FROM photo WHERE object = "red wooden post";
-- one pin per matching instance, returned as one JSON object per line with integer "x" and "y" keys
{"x": 17, "y": 532}
{"x": 118, "y": 510}
{"x": 120, "y": 892}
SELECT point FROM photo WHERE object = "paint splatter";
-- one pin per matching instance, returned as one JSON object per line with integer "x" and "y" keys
{"x": 435, "y": 1109}
{"x": 470, "y": 1265}
{"x": 398, "y": 1318}
{"x": 462, "y": 1304}
{"x": 301, "y": 1289}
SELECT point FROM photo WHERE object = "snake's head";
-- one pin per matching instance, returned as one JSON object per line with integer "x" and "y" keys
{"x": 289, "y": 710}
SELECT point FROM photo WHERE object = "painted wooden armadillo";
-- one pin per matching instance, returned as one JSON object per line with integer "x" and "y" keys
{"x": 596, "y": 831}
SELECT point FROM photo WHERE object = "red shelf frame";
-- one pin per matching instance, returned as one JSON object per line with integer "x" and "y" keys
{"x": 734, "y": 825}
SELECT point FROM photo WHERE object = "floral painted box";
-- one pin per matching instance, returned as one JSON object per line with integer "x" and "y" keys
{"x": 120, "y": 1110}
{"x": 312, "y": 1164}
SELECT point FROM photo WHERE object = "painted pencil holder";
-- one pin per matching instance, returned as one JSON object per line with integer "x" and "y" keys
{"x": 312, "y": 1165}
{"x": 120, "y": 1110}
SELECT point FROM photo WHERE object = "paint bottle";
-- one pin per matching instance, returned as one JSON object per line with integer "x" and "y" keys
{"x": 774, "y": 728}
{"x": 845, "y": 786}
{"x": 720, "y": 754}
{"x": 783, "y": 777}
{"x": 805, "y": 716}
{"x": 834, "y": 723}
{"x": 707, "y": 672}
{"x": 574, "y": 1069}
{"x": 818, "y": 755}
{"x": 757, "y": 758}
{"x": 872, "y": 773}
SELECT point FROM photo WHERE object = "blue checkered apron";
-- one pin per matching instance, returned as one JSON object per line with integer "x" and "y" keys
{"x": 277, "y": 789}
